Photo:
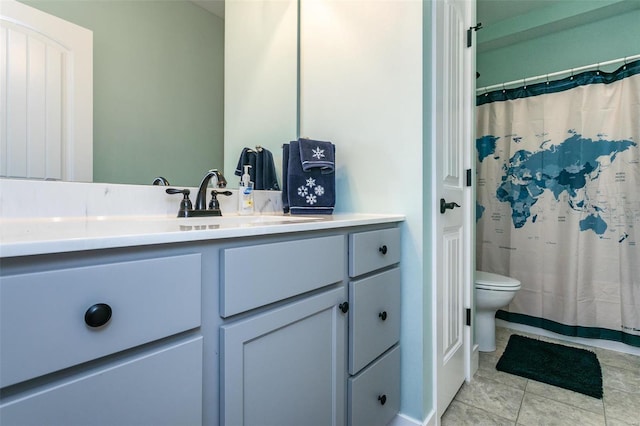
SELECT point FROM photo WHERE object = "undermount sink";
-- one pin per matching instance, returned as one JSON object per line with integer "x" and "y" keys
{"x": 230, "y": 221}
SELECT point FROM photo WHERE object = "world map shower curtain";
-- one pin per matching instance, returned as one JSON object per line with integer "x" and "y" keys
{"x": 558, "y": 201}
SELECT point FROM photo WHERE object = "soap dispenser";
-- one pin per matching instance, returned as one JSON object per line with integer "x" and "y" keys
{"x": 245, "y": 193}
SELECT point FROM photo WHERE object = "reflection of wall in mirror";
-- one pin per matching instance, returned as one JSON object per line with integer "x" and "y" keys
{"x": 261, "y": 79}
{"x": 158, "y": 87}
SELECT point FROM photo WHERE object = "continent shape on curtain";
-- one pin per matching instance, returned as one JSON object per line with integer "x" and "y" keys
{"x": 558, "y": 202}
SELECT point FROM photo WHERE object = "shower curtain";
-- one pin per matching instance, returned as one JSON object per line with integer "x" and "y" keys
{"x": 558, "y": 201}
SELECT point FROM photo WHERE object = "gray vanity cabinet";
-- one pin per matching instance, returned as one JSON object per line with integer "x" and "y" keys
{"x": 285, "y": 364}
{"x": 283, "y": 329}
{"x": 292, "y": 351}
{"x": 65, "y": 361}
{"x": 374, "y": 327}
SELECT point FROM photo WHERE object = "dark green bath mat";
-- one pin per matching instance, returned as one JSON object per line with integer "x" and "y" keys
{"x": 563, "y": 366}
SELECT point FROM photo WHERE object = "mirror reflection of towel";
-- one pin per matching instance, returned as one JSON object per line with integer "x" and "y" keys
{"x": 306, "y": 192}
{"x": 262, "y": 172}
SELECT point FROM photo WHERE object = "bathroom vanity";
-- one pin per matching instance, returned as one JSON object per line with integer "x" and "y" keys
{"x": 230, "y": 321}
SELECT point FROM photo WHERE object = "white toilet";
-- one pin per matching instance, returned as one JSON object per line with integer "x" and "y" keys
{"x": 493, "y": 291}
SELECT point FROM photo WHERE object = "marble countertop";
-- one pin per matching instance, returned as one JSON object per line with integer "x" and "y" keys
{"x": 33, "y": 236}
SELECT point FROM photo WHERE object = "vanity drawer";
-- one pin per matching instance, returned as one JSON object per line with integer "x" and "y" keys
{"x": 374, "y": 317}
{"x": 255, "y": 276}
{"x": 42, "y": 315}
{"x": 374, "y": 394}
{"x": 373, "y": 250}
{"x": 167, "y": 385}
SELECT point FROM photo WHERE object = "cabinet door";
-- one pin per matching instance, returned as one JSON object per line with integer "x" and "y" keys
{"x": 286, "y": 366}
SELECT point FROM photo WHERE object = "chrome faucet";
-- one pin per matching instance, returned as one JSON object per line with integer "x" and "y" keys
{"x": 201, "y": 197}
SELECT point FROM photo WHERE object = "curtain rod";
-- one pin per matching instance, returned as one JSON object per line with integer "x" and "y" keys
{"x": 531, "y": 80}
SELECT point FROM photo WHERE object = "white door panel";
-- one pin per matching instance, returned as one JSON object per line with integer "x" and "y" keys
{"x": 451, "y": 142}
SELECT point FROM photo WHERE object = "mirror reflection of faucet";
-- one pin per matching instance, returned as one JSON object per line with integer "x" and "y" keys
{"x": 161, "y": 181}
{"x": 200, "y": 209}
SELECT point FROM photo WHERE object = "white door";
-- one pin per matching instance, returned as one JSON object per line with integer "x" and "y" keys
{"x": 451, "y": 144}
{"x": 46, "y": 103}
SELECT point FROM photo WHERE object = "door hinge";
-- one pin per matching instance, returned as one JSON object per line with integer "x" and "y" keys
{"x": 470, "y": 33}
{"x": 468, "y": 177}
{"x": 468, "y": 321}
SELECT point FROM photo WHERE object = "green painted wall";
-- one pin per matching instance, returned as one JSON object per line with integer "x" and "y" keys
{"x": 598, "y": 41}
{"x": 158, "y": 87}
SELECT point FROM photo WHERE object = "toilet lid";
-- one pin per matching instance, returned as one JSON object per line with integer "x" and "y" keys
{"x": 491, "y": 281}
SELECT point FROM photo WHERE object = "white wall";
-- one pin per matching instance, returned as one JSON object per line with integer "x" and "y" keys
{"x": 361, "y": 88}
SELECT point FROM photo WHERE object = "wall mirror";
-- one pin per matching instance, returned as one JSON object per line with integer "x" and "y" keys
{"x": 180, "y": 87}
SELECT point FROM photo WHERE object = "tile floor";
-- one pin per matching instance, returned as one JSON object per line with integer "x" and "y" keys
{"x": 497, "y": 398}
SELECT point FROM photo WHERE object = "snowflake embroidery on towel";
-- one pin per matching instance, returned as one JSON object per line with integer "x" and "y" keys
{"x": 318, "y": 153}
{"x": 304, "y": 191}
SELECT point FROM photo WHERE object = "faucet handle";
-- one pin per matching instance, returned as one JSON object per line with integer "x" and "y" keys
{"x": 185, "y": 204}
{"x": 214, "y": 204}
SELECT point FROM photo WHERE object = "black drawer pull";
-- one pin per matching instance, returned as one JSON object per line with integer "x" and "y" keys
{"x": 97, "y": 315}
{"x": 383, "y": 249}
{"x": 344, "y": 307}
{"x": 383, "y": 315}
{"x": 382, "y": 399}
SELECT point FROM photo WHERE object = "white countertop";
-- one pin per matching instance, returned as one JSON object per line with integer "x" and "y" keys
{"x": 33, "y": 236}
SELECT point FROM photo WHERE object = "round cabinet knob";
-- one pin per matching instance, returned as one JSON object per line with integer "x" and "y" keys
{"x": 97, "y": 315}
{"x": 382, "y": 399}
{"x": 344, "y": 307}
{"x": 383, "y": 315}
{"x": 383, "y": 249}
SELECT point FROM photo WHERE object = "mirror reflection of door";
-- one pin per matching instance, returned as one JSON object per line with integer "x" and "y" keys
{"x": 47, "y": 96}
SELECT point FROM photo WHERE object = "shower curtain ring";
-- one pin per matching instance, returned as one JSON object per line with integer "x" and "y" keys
{"x": 571, "y": 74}
{"x": 625, "y": 63}
{"x": 524, "y": 83}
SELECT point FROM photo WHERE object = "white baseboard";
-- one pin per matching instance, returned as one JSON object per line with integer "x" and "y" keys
{"x": 404, "y": 420}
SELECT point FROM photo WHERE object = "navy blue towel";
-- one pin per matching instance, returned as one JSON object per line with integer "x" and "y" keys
{"x": 317, "y": 154}
{"x": 262, "y": 172}
{"x": 306, "y": 192}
